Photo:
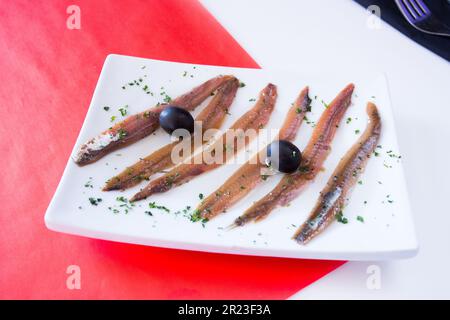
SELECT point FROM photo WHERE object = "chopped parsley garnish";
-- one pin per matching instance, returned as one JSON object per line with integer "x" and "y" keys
{"x": 387, "y": 165}
{"x": 360, "y": 219}
{"x": 122, "y": 199}
{"x": 309, "y": 121}
{"x": 200, "y": 196}
{"x": 196, "y": 216}
{"x": 124, "y": 205}
{"x": 389, "y": 200}
{"x": 348, "y": 120}
{"x": 122, "y": 133}
{"x": 123, "y": 111}
{"x": 153, "y": 205}
{"x": 185, "y": 211}
{"x": 340, "y": 218}
{"x": 171, "y": 179}
{"x": 137, "y": 82}
{"x": 114, "y": 210}
{"x": 88, "y": 184}
{"x": 106, "y": 108}
{"x": 393, "y": 155}
{"x": 113, "y": 118}
{"x": 166, "y": 97}
{"x": 94, "y": 201}
{"x": 357, "y": 131}
{"x": 241, "y": 84}
{"x": 146, "y": 89}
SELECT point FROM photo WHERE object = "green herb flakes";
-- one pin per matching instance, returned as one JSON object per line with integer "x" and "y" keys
{"x": 95, "y": 201}
{"x": 88, "y": 184}
{"x": 340, "y": 218}
{"x": 122, "y": 133}
{"x": 153, "y": 205}
{"x": 123, "y": 110}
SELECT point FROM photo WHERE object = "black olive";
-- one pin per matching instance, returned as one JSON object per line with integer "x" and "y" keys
{"x": 283, "y": 156}
{"x": 173, "y": 118}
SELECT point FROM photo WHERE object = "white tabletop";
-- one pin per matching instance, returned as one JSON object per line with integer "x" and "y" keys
{"x": 292, "y": 33}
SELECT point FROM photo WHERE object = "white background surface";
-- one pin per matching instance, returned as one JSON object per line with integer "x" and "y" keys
{"x": 292, "y": 34}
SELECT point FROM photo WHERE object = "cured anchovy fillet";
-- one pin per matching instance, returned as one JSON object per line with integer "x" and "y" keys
{"x": 254, "y": 119}
{"x": 211, "y": 118}
{"x": 248, "y": 176}
{"x": 333, "y": 197}
{"x": 313, "y": 158}
{"x": 140, "y": 125}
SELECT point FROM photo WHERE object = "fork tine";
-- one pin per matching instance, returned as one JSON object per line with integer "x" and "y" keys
{"x": 423, "y": 6}
{"x": 416, "y": 7}
{"x": 409, "y": 9}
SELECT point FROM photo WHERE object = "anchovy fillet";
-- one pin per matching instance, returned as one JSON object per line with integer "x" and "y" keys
{"x": 140, "y": 125}
{"x": 333, "y": 196}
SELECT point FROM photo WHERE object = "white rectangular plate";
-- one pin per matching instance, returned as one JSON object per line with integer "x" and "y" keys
{"x": 381, "y": 198}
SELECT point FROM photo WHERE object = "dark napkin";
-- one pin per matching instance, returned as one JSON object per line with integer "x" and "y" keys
{"x": 392, "y": 15}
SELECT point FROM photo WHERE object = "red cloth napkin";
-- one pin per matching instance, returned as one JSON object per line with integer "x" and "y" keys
{"x": 48, "y": 74}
